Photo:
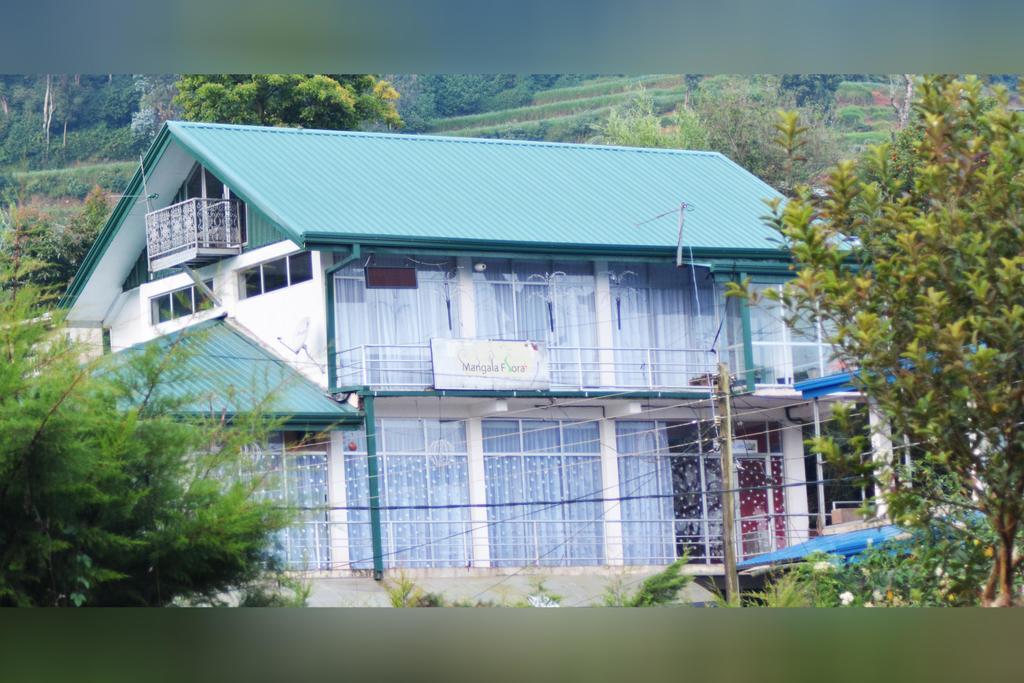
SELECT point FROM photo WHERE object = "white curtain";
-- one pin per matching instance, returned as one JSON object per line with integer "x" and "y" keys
{"x": 297, "y": 481}
{"x": 424, "y": 473}
{"x": 544, "y": 301}
{"x": 661, "y": 340}
{"x": 393, "y": 318}
{"x": 546, "y": 463}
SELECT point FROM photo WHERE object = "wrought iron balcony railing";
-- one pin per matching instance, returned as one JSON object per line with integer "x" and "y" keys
{"x": 195, "y": 230}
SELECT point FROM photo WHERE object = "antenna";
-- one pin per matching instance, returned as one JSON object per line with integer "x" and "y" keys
{"x": 145, "y": 190}
{"x": 679, "y": 240}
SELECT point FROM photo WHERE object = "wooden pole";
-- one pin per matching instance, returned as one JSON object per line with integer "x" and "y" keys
{"x": 732, "y": 581}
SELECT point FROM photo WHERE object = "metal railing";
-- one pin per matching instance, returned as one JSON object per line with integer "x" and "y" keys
{"x": 408, "y": 366}
{"x": 191, "y": 226}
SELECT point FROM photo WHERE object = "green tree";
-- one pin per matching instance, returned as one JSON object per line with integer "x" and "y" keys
{"x": 635, "y": 124}
{"x": 923, "y": 290}
{"x": 307, "y": 100}
{"x": 739, "y": 116}
{"x": 818, "y": 90}
{"x": 108, "y": 496}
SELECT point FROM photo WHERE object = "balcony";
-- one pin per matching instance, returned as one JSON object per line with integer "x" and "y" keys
{"x": 194, "y": 231}
{"x": 570, "y": 368}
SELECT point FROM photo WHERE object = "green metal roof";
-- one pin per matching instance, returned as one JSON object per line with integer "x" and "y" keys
{"x": 226, "y": 372}
{"x": 329, "y": 187}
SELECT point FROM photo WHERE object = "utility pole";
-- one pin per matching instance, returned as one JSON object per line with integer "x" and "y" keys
{"x": 732, "y": 580}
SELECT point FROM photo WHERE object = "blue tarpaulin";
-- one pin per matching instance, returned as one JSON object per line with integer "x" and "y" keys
{"x": 845, "y": 545}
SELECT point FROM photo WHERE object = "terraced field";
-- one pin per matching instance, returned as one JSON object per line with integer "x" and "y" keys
{"x": 565, "y": 114}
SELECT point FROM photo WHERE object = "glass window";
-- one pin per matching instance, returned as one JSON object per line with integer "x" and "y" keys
{"x": 662, "y": 325}
{"x": 293, "y": 473}
{"x": 668, "y": 477}
{"x": 543, "y": 301}
{"x": 542, "y": 478}
{"x": 424, "y": 494}
{"x": 161, "y": 306}
{"x": 180, "y": 302}
{"x": 275, "y": 275}
{"x": 383, "y": 335}
{"x": 300, "y": 267}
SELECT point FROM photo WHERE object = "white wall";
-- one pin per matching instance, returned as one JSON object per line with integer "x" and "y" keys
{"x": 266, "y": 317}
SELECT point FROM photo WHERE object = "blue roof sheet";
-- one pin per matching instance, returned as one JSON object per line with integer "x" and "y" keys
{"x": 845, "y": 545}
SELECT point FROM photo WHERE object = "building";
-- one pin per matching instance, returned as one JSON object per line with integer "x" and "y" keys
{"x": 508, "y": 367}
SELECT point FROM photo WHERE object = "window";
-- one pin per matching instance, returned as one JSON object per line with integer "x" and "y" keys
{"x": 202, "y": 184}
{"x": 276, "y": 274}
{"x": 543, "y": 301}
{"x": 669, "y": 475}
{"x": 383, "y": 334}
{"x": 786, "y": 354}
{"x": 293, "y": 474}
{"x": 543, "y": 483}
{"x": 660, "y": 340}
{"x": 180, "y": 302}
{"x": 424, "y": 494}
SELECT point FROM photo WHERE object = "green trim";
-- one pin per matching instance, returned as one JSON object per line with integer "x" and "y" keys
{"x": 332, "y": 342}
{"x": 117, "y": 217}
{"x": 518, "y": 248}
{"x": 748, "y": 340}
{"x": 451, "y": 393}
{"x": 372, "y": 473}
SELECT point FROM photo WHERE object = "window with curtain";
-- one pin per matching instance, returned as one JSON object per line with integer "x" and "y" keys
{"x": 669, "y": 479}
{"x": 662, "y": 325}
{"x": 543, "y": 301}
{"x": 424, "y": 494}
{"x": 382, "y": 335}
{"x": 757, "y": 449}
{"x": 554, "y": 467}
{"x": 294, "y": 475}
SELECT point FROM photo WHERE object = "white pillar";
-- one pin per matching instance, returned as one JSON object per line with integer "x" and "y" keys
{"x": 797, "y": 521}
{"x": 477, "y": 494}
{"x": 881, "y": 454}
{"x": 336, "y": 498}
{"x": 605, "y": 323}
{"x": 467, "y": 301}
{"x": 613, "y": 553}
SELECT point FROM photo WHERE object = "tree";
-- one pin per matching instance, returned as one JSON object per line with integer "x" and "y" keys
{"x": 305, "y": 100}
{"x": 817, "y": 90}
{"x": 739, "y": 115}
{"x": 57, "y": 248}
{"x": 108, "y": 496}
{"x": 922, "y": 288}
{"x": 635, "y": 124}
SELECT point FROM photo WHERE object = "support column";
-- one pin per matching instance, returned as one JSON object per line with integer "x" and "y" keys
{"x": 466, "y": 298}
{"x": 797, "y": 521}
{"x": 373, "y": 473}
{"x": 613, "y": 551}
{"x": 337, "y": 499}
{"x": 881, "y": 454}
{"x": 480, "y": 536}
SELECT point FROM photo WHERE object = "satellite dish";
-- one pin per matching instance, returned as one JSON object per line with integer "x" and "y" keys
{"x": 296, "y": 341}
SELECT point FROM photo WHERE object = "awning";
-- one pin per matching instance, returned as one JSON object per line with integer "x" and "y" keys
{"x": 845, "y": 545}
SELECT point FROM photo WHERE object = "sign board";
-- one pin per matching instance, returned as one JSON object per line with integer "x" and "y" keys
{"x": 489, "y": 365}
